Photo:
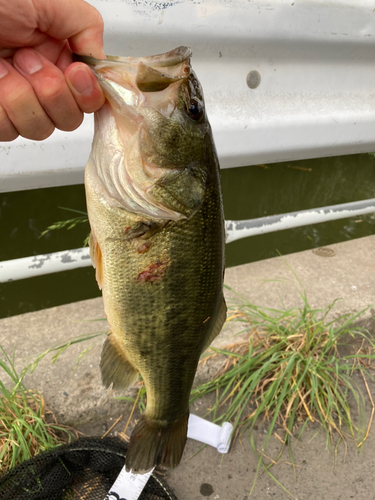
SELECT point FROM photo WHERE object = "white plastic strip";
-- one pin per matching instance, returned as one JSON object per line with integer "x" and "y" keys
{"x": 206, "y": 432}
{"x": 37, "y": 265}
{"x": 237, "y": 229}
{"x": 128, "y": 486}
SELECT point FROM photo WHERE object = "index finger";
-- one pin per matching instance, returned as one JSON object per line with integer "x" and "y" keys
{"x": 75, "y": 20}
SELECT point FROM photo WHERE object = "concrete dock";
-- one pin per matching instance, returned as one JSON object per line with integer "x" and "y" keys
{"x": 345, "y": 271}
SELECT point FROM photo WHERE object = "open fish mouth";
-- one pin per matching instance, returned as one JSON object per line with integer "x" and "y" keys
{"x": 147, "y": 74}
{"x": 171, "y": 58}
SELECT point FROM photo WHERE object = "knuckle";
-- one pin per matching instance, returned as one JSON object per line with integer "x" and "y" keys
{"x": 39, "y": 133}
{"x": 99, "y": 19}
{"x": 8, "y": 135}
{"x": 72, "y": 124}
{"x": 7, "y": 131}
{"x": 51, "y": 87}
{"x": 18, "y": 96}
{"x": 47, "y": 133}
{"x": 22, "y": 109}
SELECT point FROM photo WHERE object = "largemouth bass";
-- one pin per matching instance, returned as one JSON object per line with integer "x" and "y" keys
{"x": 157, "y": 240}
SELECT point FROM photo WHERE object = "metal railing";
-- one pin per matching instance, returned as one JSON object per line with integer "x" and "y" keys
{"x": 29, "y": 267}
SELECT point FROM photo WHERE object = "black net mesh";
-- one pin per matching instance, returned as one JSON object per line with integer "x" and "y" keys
{"x": 83, "y": 470}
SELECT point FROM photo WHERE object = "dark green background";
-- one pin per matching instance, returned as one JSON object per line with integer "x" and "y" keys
{"x": 248, "y": 192}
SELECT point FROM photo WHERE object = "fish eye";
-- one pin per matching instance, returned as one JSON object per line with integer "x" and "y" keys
{"x": 194, "y": 109}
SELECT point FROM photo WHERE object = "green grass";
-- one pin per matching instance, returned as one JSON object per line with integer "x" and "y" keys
{"x": 69, "y": 223}
{"x": 288, "y": 372}
{"x": 61, "y": 348}
{"x": 26, "y": 426}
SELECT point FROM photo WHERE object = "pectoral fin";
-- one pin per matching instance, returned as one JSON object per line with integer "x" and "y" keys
{"x": 220, "y": 320}
{"x": 96, "y": 257}
{"x": 181, "y": 192}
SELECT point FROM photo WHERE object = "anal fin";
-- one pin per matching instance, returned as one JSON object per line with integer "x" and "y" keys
{"x": 216, "y": 329}
{"x": 115, "y": 368}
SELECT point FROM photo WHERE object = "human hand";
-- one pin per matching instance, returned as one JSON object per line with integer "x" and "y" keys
{"x": 40, "y": 86}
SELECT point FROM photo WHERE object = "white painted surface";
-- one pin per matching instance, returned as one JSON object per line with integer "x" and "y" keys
{"x": 37, "y": 265}
{"x": 316, "y": 96}
{"x": 238, "y": 229}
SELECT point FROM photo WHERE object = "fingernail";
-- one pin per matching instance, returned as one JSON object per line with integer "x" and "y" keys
{"x": 3, "y": 69}
{"x": 28, "y": 61}
{"x": 81, "y": 81}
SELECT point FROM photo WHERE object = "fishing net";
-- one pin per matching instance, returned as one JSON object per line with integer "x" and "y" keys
{"x": 83, "y": 470}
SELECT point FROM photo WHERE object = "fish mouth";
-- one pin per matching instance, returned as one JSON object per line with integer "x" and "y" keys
{"x": 139, "y": 75}
{"x": 171, "y": 58}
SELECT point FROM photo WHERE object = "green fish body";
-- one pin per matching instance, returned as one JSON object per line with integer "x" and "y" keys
{"x": 157, "y": 240}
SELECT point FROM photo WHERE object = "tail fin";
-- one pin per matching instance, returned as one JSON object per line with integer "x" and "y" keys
{"x": 152, "y": 444}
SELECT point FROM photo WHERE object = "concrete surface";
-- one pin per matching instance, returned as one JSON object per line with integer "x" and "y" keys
{"x": 78, "y": 398}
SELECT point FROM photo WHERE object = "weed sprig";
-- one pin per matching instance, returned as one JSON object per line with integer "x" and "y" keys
{"x": 68, "y": 224}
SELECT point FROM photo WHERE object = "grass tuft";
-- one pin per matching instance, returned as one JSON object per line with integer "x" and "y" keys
{"x": 289, "y": 371}
{"x": 26, "y": 426}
